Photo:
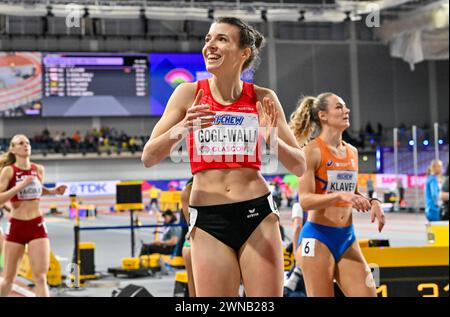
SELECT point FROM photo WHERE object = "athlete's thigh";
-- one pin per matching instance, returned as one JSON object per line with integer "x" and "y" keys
{"x": 215, "y": 266}
{"x": 318, "y": 265}
{"x": 261, "y": 260}
{"x": 39, "y": 254}
{"x": 353, "y": 274}
{"x": 13, "y": 254}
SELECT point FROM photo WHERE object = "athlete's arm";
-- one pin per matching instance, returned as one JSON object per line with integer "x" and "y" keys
{"x": 288, "y": 151}
{"x": 361, "y": 202}
{"x": 5, "y": 176}
{"x": 60, "y": 190}
{"x": 6, "y": 207}
{"x": 357, "y": 192}
{"x": 175, "y": 123}
{"x": 171, "y": 242}
{"x": 376, "y": 210}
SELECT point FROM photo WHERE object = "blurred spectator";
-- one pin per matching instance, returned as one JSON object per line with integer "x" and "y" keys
{"x": 57, "y": 142}
{"x": 432, "y": 210}
{"x": 444, "y": 198}
{"x": 65, "y": 143}
{"x": 277, "y": 194}
{"x": 379, "y": 130}
{"x": 369, "y": 186}
{"x": 361, "y": 139}
{"x": 132, "y": 143}
{"x": 369, "y": 129}
{"x": 46, "y": 133}
{"x": 76, "y": 137}
{"x": 155, "y": 195}
{"x": 170, "y": 237}
{"x": 401, "y": 193}
{"x": 288, "y": 195}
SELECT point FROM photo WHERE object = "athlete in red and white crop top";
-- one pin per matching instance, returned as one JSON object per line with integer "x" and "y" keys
{"x": 33, "y": 191}
{"x": 232, "y": 141}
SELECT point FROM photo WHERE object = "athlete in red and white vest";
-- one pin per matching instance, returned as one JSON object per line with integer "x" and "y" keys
{"x": 234, "y": 227}
{"x": 233, "y": 140}
{"x": 21, "y": 183}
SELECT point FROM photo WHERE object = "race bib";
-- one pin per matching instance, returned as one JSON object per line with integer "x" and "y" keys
{"x": 342, "y": 181}
{"x": 32, "y": 191}
{"x": 232, "y": 133}
{"x": 308, "y": 247}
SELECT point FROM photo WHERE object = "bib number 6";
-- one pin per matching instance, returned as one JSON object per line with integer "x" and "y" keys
{"x": 308, "y": 247}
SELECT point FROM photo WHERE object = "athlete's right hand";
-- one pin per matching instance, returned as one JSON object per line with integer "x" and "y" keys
{"x": 360, "y": 203}
{"x": 198, "y": 116}
{"x": 26, "y": 181}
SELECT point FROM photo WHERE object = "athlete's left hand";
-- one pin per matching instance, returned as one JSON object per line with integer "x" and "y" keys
{"x": 377, "y": 212}
{"x": 60, "y": 190}
{"x": 268, "y": 117}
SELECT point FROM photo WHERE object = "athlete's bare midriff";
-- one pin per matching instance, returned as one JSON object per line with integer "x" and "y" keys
{"x": 224, "y": 186}
{"x": 332, "y": 216}
{"x": 25, "y": 210}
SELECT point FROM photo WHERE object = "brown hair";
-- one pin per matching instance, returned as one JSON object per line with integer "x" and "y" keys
{"x": 304, "y": 121}
{"x": 249, "y": 37}
{"x": 8, "y": 158}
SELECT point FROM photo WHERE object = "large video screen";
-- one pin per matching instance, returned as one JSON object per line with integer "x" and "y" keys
{"x": 20, "y": 84}
{"x": 168, "y": 70}
{"x": 95, "y": 84}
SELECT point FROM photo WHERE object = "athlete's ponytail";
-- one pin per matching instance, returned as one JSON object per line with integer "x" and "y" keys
{"x": 7, "y": 159}
{"x": 304, "y": 121}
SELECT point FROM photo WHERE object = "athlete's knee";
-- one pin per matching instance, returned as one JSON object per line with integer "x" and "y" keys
{"x": 40, "y": 279}
{"x": 8, "y": 280}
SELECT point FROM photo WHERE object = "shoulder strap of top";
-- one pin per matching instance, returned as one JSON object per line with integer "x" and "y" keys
{"x": 323, "y": 147}
{"x": 35, "y": 168}
{"x": 14, "y": 167}
{"x": 203, "y": 84}
{"x": 249, "y": 91}
{"x": 350, "y": 153}
{"x": 322, "y": 154}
